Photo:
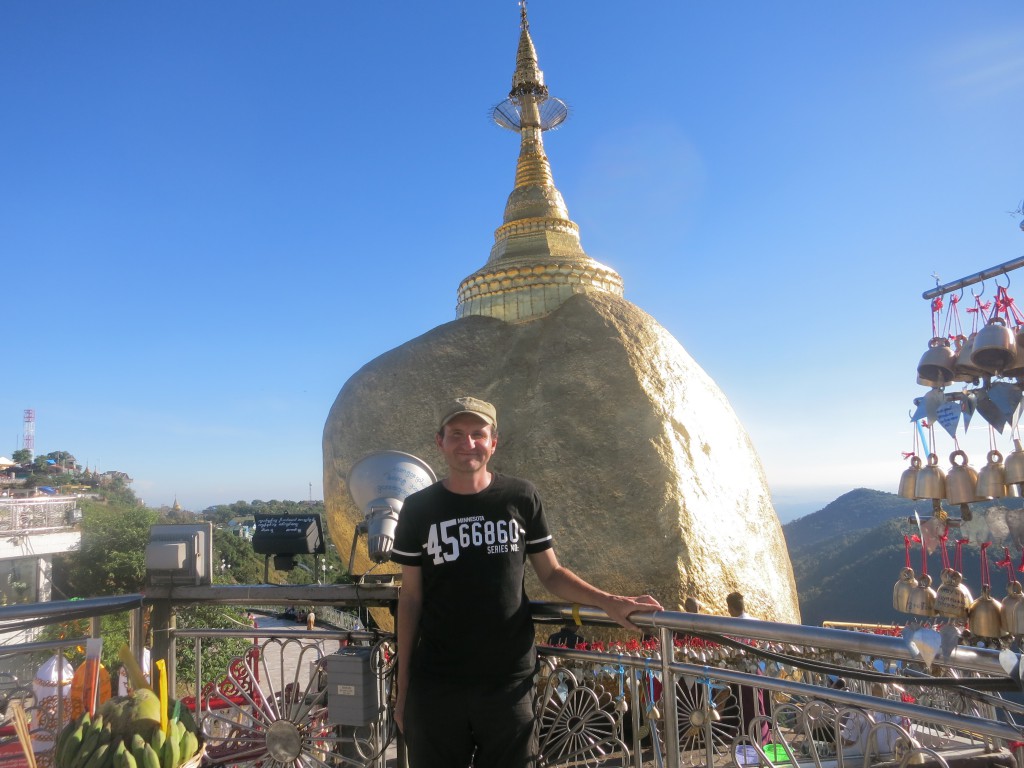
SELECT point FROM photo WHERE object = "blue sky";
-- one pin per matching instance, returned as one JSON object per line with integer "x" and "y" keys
{"x": 212, "y": 214}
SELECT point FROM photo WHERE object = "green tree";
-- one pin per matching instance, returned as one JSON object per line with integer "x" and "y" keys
{"x": 244, "y": 565}
{"x": 112, "y": 557}
{"x": 21, "y": 456}
{"x": 63, "y": 459}
{"x": 217, "y": 652}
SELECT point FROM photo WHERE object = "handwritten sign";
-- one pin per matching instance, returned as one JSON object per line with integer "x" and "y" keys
{"x": 288, "y": 535}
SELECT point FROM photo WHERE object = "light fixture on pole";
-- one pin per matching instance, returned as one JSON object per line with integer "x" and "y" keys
{"x": 285, "y": 536}
{"x": 379, "y": 484}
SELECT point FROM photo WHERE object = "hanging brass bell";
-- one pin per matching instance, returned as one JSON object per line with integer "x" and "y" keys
{"x": 992, "y": 478}
{"x": 908, "y": 480}
{"x": 995, "y": 347}
{"x": 922, "y": 597}
{"x": 952, "y": 598}
{"x": 984, "y": 617}
{"x": 963, "y": 369}
{"x": 936, "y": 365}
{"x": 1013, "y": 467}
{"x": 961, "y": 484}
{"x": 1012, "y": 610}
{"x": 901, "y": 590}
{"x": 1016, "y": 368}
{"x": 931, "y": 480}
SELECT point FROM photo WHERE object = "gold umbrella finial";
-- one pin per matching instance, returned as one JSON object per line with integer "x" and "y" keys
{"x": 537, "y": 261}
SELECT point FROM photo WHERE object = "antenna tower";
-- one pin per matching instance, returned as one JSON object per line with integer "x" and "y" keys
{"x": 28, "y": 440}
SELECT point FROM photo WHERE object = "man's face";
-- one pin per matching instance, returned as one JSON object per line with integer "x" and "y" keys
{"x": 467, "y": 443}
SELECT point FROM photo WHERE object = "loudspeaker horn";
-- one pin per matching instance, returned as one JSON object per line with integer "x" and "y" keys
{"x": 379, "y": 484}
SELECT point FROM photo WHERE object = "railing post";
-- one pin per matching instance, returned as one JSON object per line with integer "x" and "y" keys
{"x": 197, "y": 649}
{"x": 163, "y": 623}
{"x": 135, "y": 639}
{"x": 668, "y": 693}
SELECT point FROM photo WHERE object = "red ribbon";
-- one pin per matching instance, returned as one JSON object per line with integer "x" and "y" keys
{"x": 1007, "y": 563}
{"x": 1006, "y": 305}
{"x": 945, "y": 555}
{"x": 936, "y": 312}
{"x": 958, "y": 563}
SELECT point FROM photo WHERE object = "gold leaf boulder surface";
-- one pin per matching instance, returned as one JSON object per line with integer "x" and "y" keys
{"x": 650, "y": 482}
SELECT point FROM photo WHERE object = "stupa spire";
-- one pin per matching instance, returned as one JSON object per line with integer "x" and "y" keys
{"x": 537, "y": 261}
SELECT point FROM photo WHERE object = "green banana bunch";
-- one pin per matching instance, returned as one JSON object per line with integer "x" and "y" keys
{"x": 92, "y": 731}
{"x": 122, "y": 755}
{"x": 93, "y": 743}
{"x": 189, "y": 745}
{"x": 69, "y": 742}
{"x": 100, "y": 758}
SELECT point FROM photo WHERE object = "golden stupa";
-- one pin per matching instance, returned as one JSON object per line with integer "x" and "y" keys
{"x": 650, "y": 482}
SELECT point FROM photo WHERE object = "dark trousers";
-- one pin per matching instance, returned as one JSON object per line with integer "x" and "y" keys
{"x": 446, "y": 722}
{"x": 754, "y": 702}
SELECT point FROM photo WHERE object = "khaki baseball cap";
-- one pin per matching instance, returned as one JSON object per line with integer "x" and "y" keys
{"x": 473, "y": 405}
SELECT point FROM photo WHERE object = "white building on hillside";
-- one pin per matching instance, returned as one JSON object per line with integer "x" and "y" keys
{"x": 32, "y": 531}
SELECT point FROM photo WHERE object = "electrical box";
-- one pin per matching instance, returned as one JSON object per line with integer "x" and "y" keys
{"x": 166, "y": 555}
{"x": 180, "y": 554}
{"x": 353, "y": 695}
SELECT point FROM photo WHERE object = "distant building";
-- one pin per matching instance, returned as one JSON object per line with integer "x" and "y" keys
{"x": 32, "y": 530}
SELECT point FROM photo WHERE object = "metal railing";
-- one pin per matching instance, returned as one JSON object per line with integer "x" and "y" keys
{"x": 698, "y": 690}
{"x": 40, "y": 513}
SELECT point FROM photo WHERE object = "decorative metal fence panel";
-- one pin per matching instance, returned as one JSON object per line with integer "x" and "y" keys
{"x": 698, "y": 691}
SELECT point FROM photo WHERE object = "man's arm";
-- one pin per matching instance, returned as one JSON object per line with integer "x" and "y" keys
{"x": 410, "y": 606}
{"x": 563, "y": 583}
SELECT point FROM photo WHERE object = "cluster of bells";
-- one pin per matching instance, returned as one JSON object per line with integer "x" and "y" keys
{"x": 961, "y": 484}
{"x": 986, "y": 617}
{"x": 995, "y": 350}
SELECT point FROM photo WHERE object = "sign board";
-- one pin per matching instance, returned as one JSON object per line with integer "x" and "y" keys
{"x": 288, "y": 535}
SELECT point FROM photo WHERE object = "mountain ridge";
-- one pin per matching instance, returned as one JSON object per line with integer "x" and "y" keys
{"x": 847, "y": 556}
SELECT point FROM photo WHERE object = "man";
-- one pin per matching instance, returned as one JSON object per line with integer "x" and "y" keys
{"x": 753, "y": 702}
{"x": 734, "y": 601}
{"x": 466, "y": 656}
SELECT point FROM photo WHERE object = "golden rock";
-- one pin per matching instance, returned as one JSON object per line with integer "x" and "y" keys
{"x": 648, "y": 478}
{"x": 650, "y": 482}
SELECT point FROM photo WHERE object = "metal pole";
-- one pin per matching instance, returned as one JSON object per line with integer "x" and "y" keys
{"x": 977, "y": 277}
{"x": 198, "y": 650}
{"x": 162, "y": 624}
{"x": 668, "y": 696}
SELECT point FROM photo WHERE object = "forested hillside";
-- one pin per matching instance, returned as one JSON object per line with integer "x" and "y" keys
{"x": 847, "y": 556}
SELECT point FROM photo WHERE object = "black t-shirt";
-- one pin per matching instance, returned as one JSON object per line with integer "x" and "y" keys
{"x": 472, "y": 549}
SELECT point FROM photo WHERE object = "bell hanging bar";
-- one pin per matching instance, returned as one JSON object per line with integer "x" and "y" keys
{"x": 952, "y": 522}
{"x": 977, "y": 277}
